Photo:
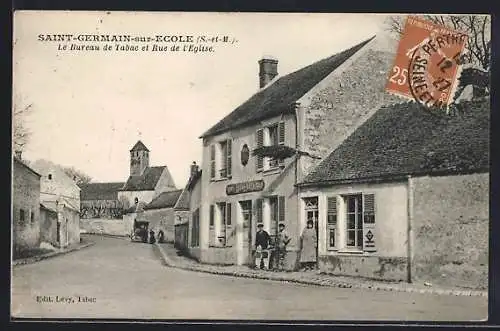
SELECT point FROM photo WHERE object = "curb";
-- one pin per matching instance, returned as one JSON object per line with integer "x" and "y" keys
{"x": 318, "y": 281}
{"x": 49, "y": 255}
{"x": 116, "y": 236}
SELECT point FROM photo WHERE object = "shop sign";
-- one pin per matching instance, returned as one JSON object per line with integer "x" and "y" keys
{"x": 245, "y": 187}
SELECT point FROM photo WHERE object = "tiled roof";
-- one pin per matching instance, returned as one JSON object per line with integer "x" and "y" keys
{"x": 404, "y": 140}
{"x": 48, "y": 208}
{"x": 164, "y": 200}
{"x": 139, "y": 146}
{"x": 21, "y": 162}
{"x": 278, "y": 97}
{"x": 100, "y": 191}
{"x": 183, "y": 202}
{"x": 145, "y": 182}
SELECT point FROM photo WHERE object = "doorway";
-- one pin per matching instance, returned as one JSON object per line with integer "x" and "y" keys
{"x": 246, "y": 233}
{"x": 311, "y": 210}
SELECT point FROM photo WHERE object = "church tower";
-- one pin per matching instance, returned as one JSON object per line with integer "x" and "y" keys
{"x": 139, "y": 159}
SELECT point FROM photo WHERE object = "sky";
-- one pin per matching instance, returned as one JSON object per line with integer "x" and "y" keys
{"x": 90, "y": 107}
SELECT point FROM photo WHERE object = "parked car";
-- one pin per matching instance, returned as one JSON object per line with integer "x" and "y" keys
{"x": 140, "y": 232}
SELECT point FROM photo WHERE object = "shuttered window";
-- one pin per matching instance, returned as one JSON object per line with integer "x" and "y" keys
{"x": 259, "y": 142}
{"x": 259, "y": 212}
{"x": 212, "y": 161}
{"x": 22, "y": 219}
{"x": 229, "y": 159}
{"x": 230, "y": 233}
{"x": 281, "y": 209}
{"x": 281, "y": 140}
{"x": 369, "y": 242}
{"x": 212, "y": 215}
{"x": 331, "y": 224}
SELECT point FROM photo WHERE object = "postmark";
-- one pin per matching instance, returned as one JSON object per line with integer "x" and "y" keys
{"x": 427, "y": 64}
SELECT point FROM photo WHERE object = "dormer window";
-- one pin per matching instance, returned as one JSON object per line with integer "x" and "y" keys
{"x": 50, "y": 176}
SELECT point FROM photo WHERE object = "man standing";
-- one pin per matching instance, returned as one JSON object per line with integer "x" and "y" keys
{"x": 282, "y": 241}
{"x": 261, "y": 244}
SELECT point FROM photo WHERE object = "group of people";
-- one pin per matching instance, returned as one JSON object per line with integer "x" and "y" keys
{"x": 308, "y": 247}
{"x": 142, "y": 232}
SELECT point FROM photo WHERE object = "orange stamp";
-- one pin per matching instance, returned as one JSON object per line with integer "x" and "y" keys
{"x": 427, "y": 63}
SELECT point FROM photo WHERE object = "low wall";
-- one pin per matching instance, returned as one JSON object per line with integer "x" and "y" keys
{"x": 451, "y": 227}
{"x": 115, "y": 227}
{"x": 373, "y": 267}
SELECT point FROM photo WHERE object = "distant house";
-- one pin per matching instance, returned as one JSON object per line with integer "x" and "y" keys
{"x": 100, "y": 200}
{"x": 59, "y": 194}
{"x": 145, "y": 182}
{"x": 187, "y": 215}
{"x": 159, "y": 213}
{"x": 254, "y": 156}
{"x": 406, "y": 197}
{"x": 25, "y": 207}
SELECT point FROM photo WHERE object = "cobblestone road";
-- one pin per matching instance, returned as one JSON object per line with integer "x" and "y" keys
{"x": 120, "y": 279}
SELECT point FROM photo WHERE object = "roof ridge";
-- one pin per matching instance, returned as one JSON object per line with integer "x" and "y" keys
{"x": 277, "y": 98}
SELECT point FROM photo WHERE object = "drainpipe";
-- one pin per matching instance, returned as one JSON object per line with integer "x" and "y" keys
{"x": 297, "y": 164}
{"x": 409, "y": 245}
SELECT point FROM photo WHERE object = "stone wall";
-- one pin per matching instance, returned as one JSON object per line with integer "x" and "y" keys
{"x": 115, "y": 227}
{"x": 344, "y": 100}
{"x": 48, "y": 227}
{"x": 160, "y": 219}
{"x": 26, "y": 197}
{"x": 451, "y": 225}
{"x": 371, "y": 267}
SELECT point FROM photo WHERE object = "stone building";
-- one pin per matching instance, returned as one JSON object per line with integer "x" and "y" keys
{"x": 145, "y": 182}
{"x": 247, "y": 180}
{"x": 159, "y": 213}
{"x": 25, "y": 206}
{"x": 100, "y": 200}
{"x": 61, "y": 195}
{"x": 406, "y": 197}
{"x": 187, "y": 215}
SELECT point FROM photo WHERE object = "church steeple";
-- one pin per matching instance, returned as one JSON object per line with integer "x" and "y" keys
{"x": 139, "y": 159}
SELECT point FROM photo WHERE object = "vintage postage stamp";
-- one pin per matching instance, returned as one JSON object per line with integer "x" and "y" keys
{"x": 427, "y": 64}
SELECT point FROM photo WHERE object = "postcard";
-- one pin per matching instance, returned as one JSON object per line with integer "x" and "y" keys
{"x": 250, "y": 166}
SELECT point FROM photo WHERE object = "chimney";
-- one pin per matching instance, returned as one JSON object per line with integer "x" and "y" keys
{"x": 19, "y": 154}
{"x": 268, "y": 69}
{"x": 193, "y": 169}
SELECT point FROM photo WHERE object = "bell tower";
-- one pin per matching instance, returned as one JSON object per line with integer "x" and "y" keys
{"x": 139, "y": 159}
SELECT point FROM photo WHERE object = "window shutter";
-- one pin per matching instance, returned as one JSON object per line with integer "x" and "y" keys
{"x": 281, "y": 133}
{"x": 229, "y": 162}
{"x": 281, "y": 209}
{"x": 259, "y": 211}
{"x": 228, "y": 213}
{"x": 212, "y": 215}
{"x": 331, "y": 223}
{"x": 369, "y": 223}
{"x": 259, "y": 142}
{"x": 212, "y": 161}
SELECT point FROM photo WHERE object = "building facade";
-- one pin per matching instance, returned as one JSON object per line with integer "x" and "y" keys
{"x": 187, "y": 215}
{"x": 406, "y": 197}
{"x": 304, "y": 114}
{"x": 60, "y": 194}
{"x": 25, "y": 207}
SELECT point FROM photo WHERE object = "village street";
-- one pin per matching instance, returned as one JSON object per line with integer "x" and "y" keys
{"x": 120, "y": 279}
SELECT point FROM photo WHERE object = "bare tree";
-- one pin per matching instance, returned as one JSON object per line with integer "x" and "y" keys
{"x": 20, "y": 133}
{"x": 79, "y": 176}
{"x": 476, "y": 27}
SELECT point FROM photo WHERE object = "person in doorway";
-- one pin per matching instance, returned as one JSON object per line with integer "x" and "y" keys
{"x": 308, "y": 244}
{"x": 152, "y": 239}
{"x": 262, "y": 240}
{"x": 282, "y": 241}
{"x": 144, "y": 234}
